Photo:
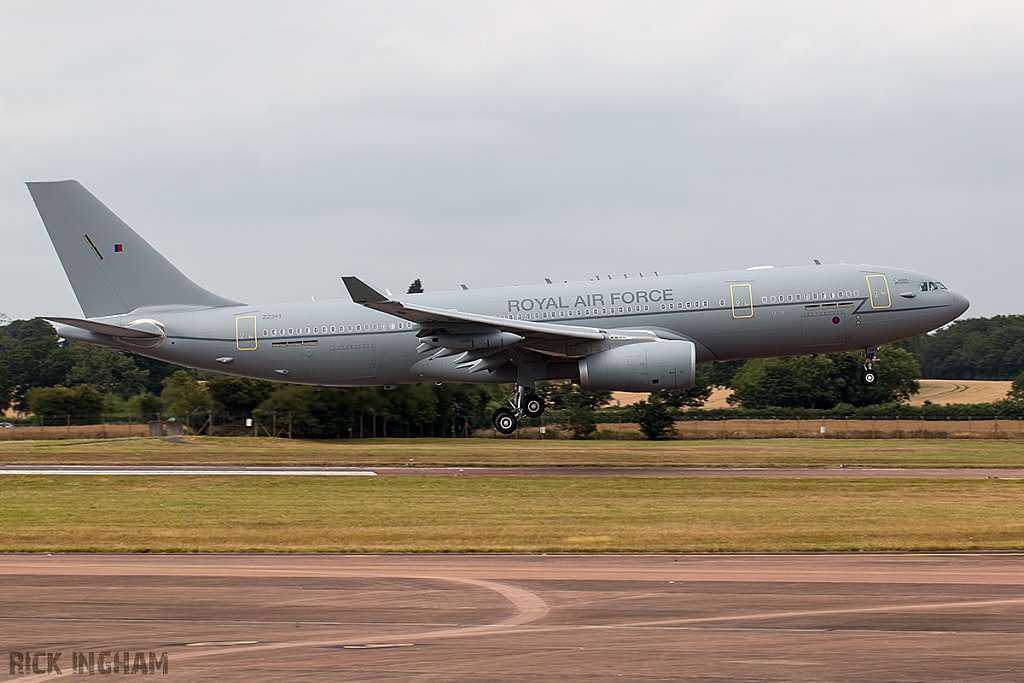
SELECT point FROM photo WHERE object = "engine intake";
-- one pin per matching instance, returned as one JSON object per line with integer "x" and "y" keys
{"x": 648, "y": 366}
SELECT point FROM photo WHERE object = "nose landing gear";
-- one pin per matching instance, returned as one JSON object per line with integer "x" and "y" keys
{"x": 868, "y": 376}
{"x": 523, "y": 401}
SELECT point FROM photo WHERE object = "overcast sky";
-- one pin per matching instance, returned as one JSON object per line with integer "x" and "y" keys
{"x": 269, "y": 148}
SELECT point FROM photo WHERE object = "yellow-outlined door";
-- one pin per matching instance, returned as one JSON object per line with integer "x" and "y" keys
{"x": 742, "y": 301}
{"x": 245, "y": 333}
{"x": 878, "y": 286}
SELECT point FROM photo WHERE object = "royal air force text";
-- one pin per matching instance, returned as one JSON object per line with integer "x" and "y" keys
{"x": 641, "y": 296}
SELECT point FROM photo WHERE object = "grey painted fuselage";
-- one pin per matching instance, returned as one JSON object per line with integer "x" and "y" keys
{"x": 730, "y": 315}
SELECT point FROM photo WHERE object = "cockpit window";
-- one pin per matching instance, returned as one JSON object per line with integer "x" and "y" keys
{"x": 931, "y": 286}
{"x": 940, "y": 285}
{"x": 924, "y": 286}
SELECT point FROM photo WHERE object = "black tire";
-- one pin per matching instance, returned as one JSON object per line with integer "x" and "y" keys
{"x": 504, "y": 421}
{"x": 533, "y": 405}
{"x": 868, "y": 378}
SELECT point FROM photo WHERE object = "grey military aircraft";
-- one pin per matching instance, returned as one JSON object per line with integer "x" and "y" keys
{"x": 643, "y": 334}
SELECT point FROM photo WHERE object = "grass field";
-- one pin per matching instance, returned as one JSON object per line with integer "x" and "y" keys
{"x": 464, "y": 452}
{"x": 504, "y": 514}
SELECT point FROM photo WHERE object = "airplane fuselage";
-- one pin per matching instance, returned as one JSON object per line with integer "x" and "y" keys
{"x": 728, "y": 315}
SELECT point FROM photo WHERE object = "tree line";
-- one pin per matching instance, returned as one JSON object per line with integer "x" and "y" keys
{"x": 40, "y": 376}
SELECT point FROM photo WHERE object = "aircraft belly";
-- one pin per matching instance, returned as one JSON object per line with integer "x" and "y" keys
{"x": 771, "y": 331}
{"x": 353, "y": 361}
{"x": 823, "y": 328}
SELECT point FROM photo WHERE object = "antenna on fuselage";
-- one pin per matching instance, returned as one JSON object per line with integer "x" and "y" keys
{"x": 817, "y": 262}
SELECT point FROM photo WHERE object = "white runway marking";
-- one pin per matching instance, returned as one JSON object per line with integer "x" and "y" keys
{"x": 229, "y": 471}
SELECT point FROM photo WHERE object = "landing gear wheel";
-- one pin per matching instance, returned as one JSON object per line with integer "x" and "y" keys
{"x": 533, "y": 405}
{"x": 868, "y": 378}
{"x": 504, "y": 421}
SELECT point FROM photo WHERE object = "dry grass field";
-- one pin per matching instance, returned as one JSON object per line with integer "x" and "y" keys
{"x": 504, "y": 514}
{"x": 465, "y": 452}
{"x": 937, "y": 391}
{"x": 943, "y": 391}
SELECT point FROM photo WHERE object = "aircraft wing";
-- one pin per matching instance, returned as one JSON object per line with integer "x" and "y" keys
{"x": 428, "y": 316}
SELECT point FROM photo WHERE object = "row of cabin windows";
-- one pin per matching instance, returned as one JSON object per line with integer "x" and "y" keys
{"x": 333, "y": 329}
{"x": 781, "y": 298}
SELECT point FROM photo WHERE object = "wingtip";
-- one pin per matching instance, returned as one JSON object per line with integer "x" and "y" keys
{"x": 361, "y": 292}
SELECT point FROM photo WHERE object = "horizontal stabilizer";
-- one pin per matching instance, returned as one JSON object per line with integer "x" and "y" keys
{"x": 107, "y": 329}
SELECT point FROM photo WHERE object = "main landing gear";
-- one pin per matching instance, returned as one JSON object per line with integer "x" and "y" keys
{"x": 522, "y": 401}
{"x": 868, "y": 377}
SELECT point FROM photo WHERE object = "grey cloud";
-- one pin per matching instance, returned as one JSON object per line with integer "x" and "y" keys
{"x": 269, "y": 148}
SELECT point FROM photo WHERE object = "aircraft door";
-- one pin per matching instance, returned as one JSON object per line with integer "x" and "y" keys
{"x": 878, "y": 286}
{"x": 245, "y": 333}
{"x": 742, "y": 301}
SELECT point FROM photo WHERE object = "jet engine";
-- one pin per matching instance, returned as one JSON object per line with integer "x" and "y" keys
{"x": 646, "y": 366}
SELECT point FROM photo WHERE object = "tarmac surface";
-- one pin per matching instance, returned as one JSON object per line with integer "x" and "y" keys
{"x": 759, "y": 472}
{"x": 748, "y": 617}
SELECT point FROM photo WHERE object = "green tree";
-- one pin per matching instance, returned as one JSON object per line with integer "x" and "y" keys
{"x": 79, "y": 401}
{"x": 720, "y": 373}
{"x": 898, "y": 374}
{"x": 416, "y": 287}
{"x": 580, "y": 420}
{"x": 145, "y": 406}
{"x": 654, "y": 417}
{"x": 695, "y": 396}
{"x": 239, "y": 393}
{"x": 825, "y": 381}
{"x": 7, "y": 342}
{"x": 290, "y": 406}
{"x": 1017, "y": 388}
{"x": 801, "y": 382}
{"x": 559, "y": 395}
{"x": 183, "y": 395}
{"x": 574, "y": 406}
{"x": 975, "y": 348}
{"x": 158, "y": 371}
{"x": 35, "y": 359}
{"x": 108, "y": 370}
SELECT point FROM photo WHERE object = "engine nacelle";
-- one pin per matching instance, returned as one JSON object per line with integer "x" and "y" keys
{"x": 647, "y": 366}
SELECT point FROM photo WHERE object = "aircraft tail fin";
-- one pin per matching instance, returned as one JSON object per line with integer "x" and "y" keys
{"x": 111, "y": 268}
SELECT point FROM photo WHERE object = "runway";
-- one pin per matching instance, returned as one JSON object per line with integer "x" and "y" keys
{"x": 402, "y": 471}
{"x": 794, "y": 617}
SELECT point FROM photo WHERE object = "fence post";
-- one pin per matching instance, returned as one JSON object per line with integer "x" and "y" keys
{"x": 69, "y": 426}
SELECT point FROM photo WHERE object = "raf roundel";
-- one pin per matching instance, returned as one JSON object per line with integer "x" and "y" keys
{"x": 835, "y": 320}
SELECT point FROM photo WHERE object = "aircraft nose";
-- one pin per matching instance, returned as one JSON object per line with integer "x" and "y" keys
{"x": 960, "y": 304}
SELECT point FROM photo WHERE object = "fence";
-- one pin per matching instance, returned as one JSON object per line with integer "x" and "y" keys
{"x": 738, "y": 428}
